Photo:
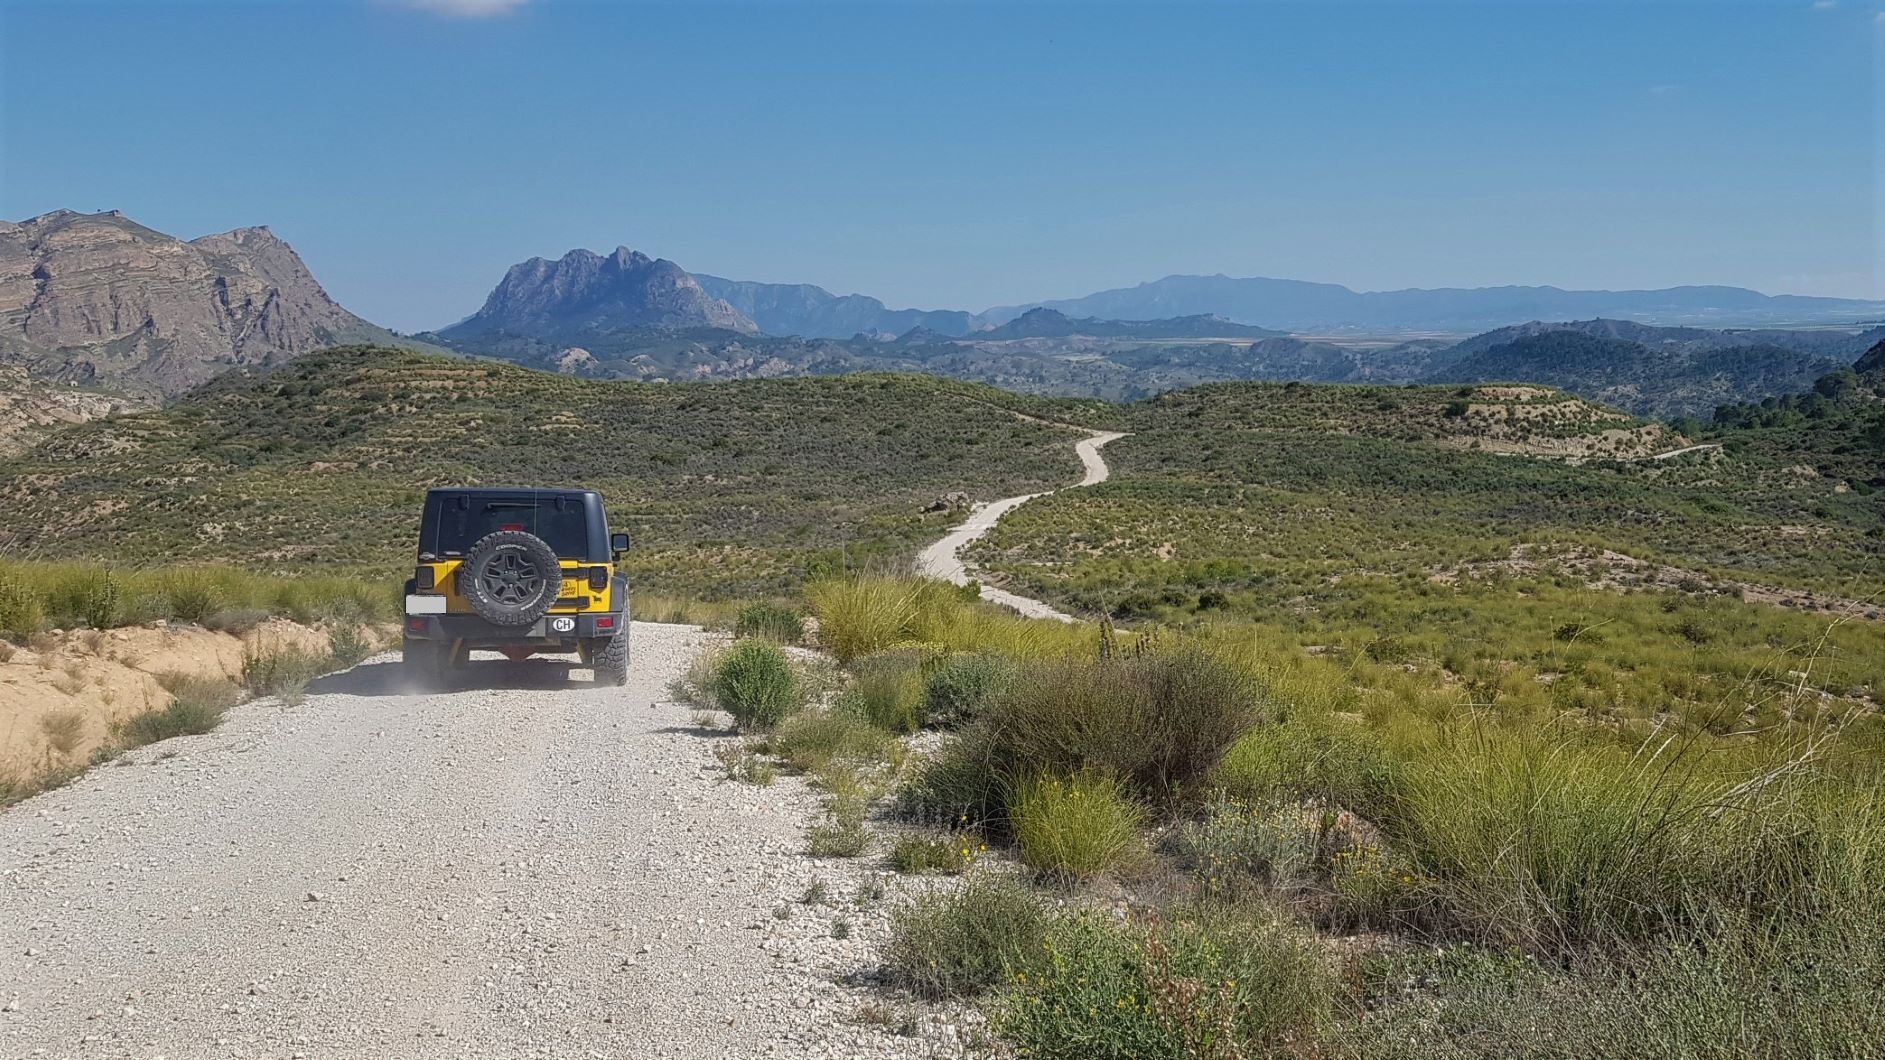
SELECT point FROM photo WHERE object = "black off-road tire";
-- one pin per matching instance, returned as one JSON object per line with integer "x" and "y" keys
{"x": 511, "y": 578}
{"x": 611, "y": 660}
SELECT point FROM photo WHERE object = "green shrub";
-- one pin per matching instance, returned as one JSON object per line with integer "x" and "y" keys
{"x": 889, "y": 690}
{"x": 1219, "y": 987}
{"x": 1330, "y": 760}
{"x": 769, "y": 621}
{"x": 1076, "y": 828}
{"x": 194, "y": 595}
{"x": 962, "y": 685}
{"x": 282, "y": 670}
{"x": 100, "y": 601}
{"x": 754, "y": 681}
{"x": 197, "y": 706}
{"x": 958, "y": 785}
{"x": 951, "y": 854}
{"x": 1235, "y": 844}
{"x": 1161, "y": 722}
{"x": 957, "y": 944}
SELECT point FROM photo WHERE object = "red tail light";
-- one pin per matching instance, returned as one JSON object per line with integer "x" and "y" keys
{"x": 598, "y": 578}
{"x": 605, "y": 622}
{"x": 416, "y": 625}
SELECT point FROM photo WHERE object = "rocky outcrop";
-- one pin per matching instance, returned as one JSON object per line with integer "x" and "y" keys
{"x": 586, "y": 292}
{"x": 98, "y": 299}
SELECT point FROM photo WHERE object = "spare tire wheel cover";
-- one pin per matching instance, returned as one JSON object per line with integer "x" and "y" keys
{"x": 512, "y": 577}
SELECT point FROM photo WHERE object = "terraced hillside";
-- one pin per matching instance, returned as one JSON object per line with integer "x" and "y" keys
{"x": 730, "y": 488}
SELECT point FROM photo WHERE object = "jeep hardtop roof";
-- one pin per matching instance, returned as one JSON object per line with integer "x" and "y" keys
{"x": 571, "y": 520}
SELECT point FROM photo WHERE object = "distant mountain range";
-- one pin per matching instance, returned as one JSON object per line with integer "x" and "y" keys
{"x": 1295, "y": 305}
{"x": 815, "y": 313}
{"x": 1053, "y": 324}
{"x": 100, "y": 300}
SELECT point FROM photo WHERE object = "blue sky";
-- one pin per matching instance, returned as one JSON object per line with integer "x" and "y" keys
{"x": 961, "y": 155}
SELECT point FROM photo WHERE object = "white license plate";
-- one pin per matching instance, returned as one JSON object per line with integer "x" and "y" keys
{"x": 425, "y": 605}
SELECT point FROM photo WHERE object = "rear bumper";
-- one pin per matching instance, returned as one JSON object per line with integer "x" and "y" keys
{"x": 548, "y": 630}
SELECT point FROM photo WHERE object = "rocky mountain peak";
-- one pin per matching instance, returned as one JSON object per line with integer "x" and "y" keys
{"x": 100, "y": 299}
{"x": 586, "y": 291}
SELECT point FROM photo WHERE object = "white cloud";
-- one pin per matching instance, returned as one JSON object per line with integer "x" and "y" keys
{"x": 1825, "y": 5}
{"x": 466, "y": 8}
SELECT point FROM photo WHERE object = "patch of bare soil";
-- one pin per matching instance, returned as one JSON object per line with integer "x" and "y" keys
{"x": 60, "y": 694}
{"x": 1607, "y": 569}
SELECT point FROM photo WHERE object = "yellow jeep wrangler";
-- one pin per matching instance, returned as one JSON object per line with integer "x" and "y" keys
{"x": 522, "y": 571}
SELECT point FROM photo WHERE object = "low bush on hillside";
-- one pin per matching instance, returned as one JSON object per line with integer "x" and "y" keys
{"x": 1222, "y": 986}
{"x": 770, "y": 621}
{"x": 963, "y": 685}
{"x": 348, "y": 647}
{"x": 818, "y": 740}
{"x": 1161, "y": 722}
{"x": 1792, "y": 991}
{"x": 961, "y": 943}
{"x": 754, "y": 681}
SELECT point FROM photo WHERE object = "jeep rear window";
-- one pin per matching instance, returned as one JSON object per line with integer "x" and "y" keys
{"x": 565, "y": 528}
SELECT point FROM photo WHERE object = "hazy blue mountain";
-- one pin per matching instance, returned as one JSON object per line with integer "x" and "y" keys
{"x": 1824, "y": 342}
{"x": 1048, "y": 323}
{"x": 584, "y": 292}
{"x": 1296, "y": 305}
{"x": 813, "y": 312}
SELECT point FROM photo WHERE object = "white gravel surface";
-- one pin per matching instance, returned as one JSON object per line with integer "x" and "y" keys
{"x": 538, "y": 869}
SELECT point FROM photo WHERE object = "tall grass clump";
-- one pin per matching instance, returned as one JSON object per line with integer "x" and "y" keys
{"x": 22, "y": 611}
{"x": 862, "y": 614}
{"x": 769, "y": 621}
{"x": 282, "y": 670}
{"x": 1078, "y": 827}
{"x": 754, "y": 681}
{"x": 1553, "y": 843}
{"x": 890, "y": 689}
{"x": 956, "y": 944}
{"x": 1796, "y": 991}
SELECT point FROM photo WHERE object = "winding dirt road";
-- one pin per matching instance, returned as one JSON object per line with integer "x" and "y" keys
{"x": 943, "y": 559}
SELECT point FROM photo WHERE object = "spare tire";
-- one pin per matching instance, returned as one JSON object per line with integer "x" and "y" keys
{"x": 511, "y": 577}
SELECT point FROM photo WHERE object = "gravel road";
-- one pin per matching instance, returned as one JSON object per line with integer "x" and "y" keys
{"x": 943, "y": 559}
{"x": 537, "y": 869}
